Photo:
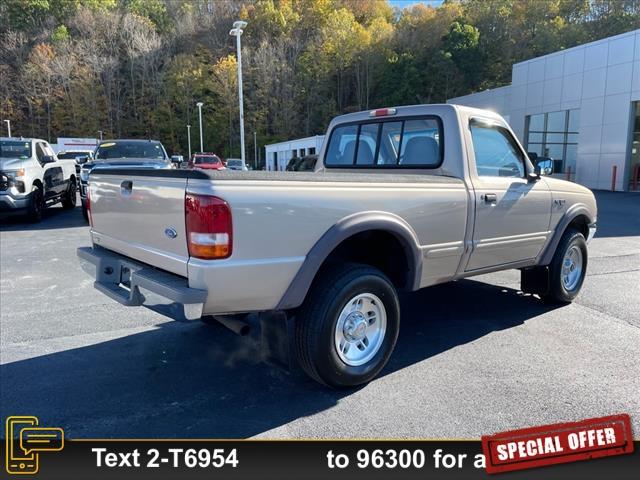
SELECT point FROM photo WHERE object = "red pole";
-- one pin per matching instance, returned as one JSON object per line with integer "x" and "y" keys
{"x": 569, "y": 173}
{"x": 636, "y": 169}
{"x": 613, "y": 178}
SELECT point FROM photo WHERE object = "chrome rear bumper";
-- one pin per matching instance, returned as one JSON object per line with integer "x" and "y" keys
{"x": 132, "y": 283}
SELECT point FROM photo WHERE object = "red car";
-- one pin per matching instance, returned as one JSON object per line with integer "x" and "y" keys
{"x": 206, "y": 161}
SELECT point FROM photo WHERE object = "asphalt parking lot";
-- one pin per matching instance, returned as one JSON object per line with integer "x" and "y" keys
{"x": 474, "y": 356}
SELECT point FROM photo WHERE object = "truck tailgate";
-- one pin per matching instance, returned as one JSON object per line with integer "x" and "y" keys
{"x": 141, "y": 216}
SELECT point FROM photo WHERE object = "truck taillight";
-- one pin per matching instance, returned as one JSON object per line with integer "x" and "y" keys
{"x": 209, "y": 226}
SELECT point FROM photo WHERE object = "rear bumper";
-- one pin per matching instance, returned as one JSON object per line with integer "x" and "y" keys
{"x": 132, "y": 283}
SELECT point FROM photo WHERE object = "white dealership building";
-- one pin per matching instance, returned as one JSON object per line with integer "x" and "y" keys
{"x": 279, "y": 154}
{"x": 579, "y": 106}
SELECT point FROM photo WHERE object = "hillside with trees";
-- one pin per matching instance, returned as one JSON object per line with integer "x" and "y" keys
{"x": 136, "y": 68}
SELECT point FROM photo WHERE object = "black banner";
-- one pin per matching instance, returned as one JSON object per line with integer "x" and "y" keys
{"x": 295, "y": 460}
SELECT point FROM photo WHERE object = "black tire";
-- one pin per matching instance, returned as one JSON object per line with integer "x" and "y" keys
{"x": 36, "y": 205}
{"x": 558, "y": 291}
{"x": 70, "y": 196}
{"x": 316, "y": 320}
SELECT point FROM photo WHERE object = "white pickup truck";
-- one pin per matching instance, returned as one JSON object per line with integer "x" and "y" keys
{"x": 401, "y": 199}
{"x": 32, "y": 178}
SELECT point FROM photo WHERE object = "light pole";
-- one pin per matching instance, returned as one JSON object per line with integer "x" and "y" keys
{"x": 189, "y": 139}
{"x": 199, "y": 105}
{"x": 255, "y": 151}
{"x": 8, "y": 122}
{"x": 100, "y": 133}
{"x": 236, "y": 31}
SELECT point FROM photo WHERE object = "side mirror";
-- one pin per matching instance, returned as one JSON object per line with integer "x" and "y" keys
{"x": 544, "y": 166}
{"x": 48, "y": 159}
{"x": 82, "y": 159}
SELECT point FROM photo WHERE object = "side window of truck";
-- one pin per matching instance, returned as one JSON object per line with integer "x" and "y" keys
{"x": 496, "y": 153}
{"x": 40, "y": 154}
{"x": 394, "y": 143}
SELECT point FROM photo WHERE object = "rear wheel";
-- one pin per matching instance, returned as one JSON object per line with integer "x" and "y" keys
{"x": 567, "y": 268}
{"x": 69, "y": 198}
{"x": 36, "y": 205}
{"x": 347, "y": 327}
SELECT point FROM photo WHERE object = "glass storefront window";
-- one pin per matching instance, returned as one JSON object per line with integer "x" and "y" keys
{"x": 536, "y": 122}
{"x": 556, "y": 121}
{"x": 554, "y": 135}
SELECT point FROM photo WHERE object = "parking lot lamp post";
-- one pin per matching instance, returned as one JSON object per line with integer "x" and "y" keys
{"x": 100, "y": 134}
{"x": 199, "y": 105}
{"x": 255, "y": 151}
{"x": 8, "y": 122}
{"x": 236, "y": 31}
{"x": 189, "y": 139}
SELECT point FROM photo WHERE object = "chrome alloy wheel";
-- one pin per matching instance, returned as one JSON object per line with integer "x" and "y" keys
{"x": 360, "y": 329}
{"x": 572, "y": 265}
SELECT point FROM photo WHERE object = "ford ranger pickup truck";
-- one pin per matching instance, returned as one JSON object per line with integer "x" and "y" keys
{"x": 401, "y": 199}
{"x": 32, "y": 178}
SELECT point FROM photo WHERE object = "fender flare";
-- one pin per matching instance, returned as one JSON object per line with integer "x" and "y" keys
{"x": 570, "y": 215}
{"x": 342, "y": 230}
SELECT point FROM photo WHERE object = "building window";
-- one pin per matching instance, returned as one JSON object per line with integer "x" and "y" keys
{"x": 312, "y": 151}
{"x": 554, "y": 135}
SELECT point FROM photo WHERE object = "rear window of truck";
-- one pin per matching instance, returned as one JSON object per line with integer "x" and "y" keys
{"x": 391, "y": 143}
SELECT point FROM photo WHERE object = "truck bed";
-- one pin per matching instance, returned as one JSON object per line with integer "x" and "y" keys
{"x": 278, "y": 217}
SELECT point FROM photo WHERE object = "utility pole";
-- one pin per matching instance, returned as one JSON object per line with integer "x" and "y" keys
{"x": 255, "y": 151}
{"x": 100, "y": 134}
{"x": 236, "y": 31}
{"x": 189, "y": 139}
{"x": 199, "y": 105}
{"x": 8, "y": 122}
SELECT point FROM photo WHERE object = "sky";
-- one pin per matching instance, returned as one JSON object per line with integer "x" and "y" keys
{"x": 409, "y": 3}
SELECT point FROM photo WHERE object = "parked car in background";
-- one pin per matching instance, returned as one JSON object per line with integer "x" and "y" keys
{"x": 79, "y": 156}
{"x": 304, "y": 164}
{"x": 149, "y": 154}
{"x": 405, "y": 198}
{"x": 293, "y": 162}
{"x": 32, "y": 178}
{"x": 206, "y": 161}
{"x": 236, "y": 164}
{"x": 177, "y": 160}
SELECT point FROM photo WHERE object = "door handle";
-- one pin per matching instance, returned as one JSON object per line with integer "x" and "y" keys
{"x": 490, "y": 197}
{"x": 126, "y": 187}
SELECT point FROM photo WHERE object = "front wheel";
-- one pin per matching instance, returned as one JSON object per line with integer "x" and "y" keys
{"x": 567, "y": 268}
{"x": 347, "y": 327}
{"x": 36, "y": 204}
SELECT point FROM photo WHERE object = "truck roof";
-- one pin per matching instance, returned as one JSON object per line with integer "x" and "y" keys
{"x": 410, "y": 110}
{"x": 22, "y": 139}
{"x": 132, "y": 140}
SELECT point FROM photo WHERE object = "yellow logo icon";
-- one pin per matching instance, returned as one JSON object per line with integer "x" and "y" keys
{"x": 25, "y": 441}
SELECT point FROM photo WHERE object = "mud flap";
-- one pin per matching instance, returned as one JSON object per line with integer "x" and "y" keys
{"x": 275, "y": 337}
{"x": 535, "y": 280}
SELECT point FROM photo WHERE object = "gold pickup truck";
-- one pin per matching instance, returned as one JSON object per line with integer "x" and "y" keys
{"x": 401, "y": 199}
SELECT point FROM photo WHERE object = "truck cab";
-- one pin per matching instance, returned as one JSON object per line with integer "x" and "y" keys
{"x": 32, "y": 178}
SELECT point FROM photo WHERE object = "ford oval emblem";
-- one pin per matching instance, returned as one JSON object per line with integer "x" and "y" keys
{"x": 170, "y": 232}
